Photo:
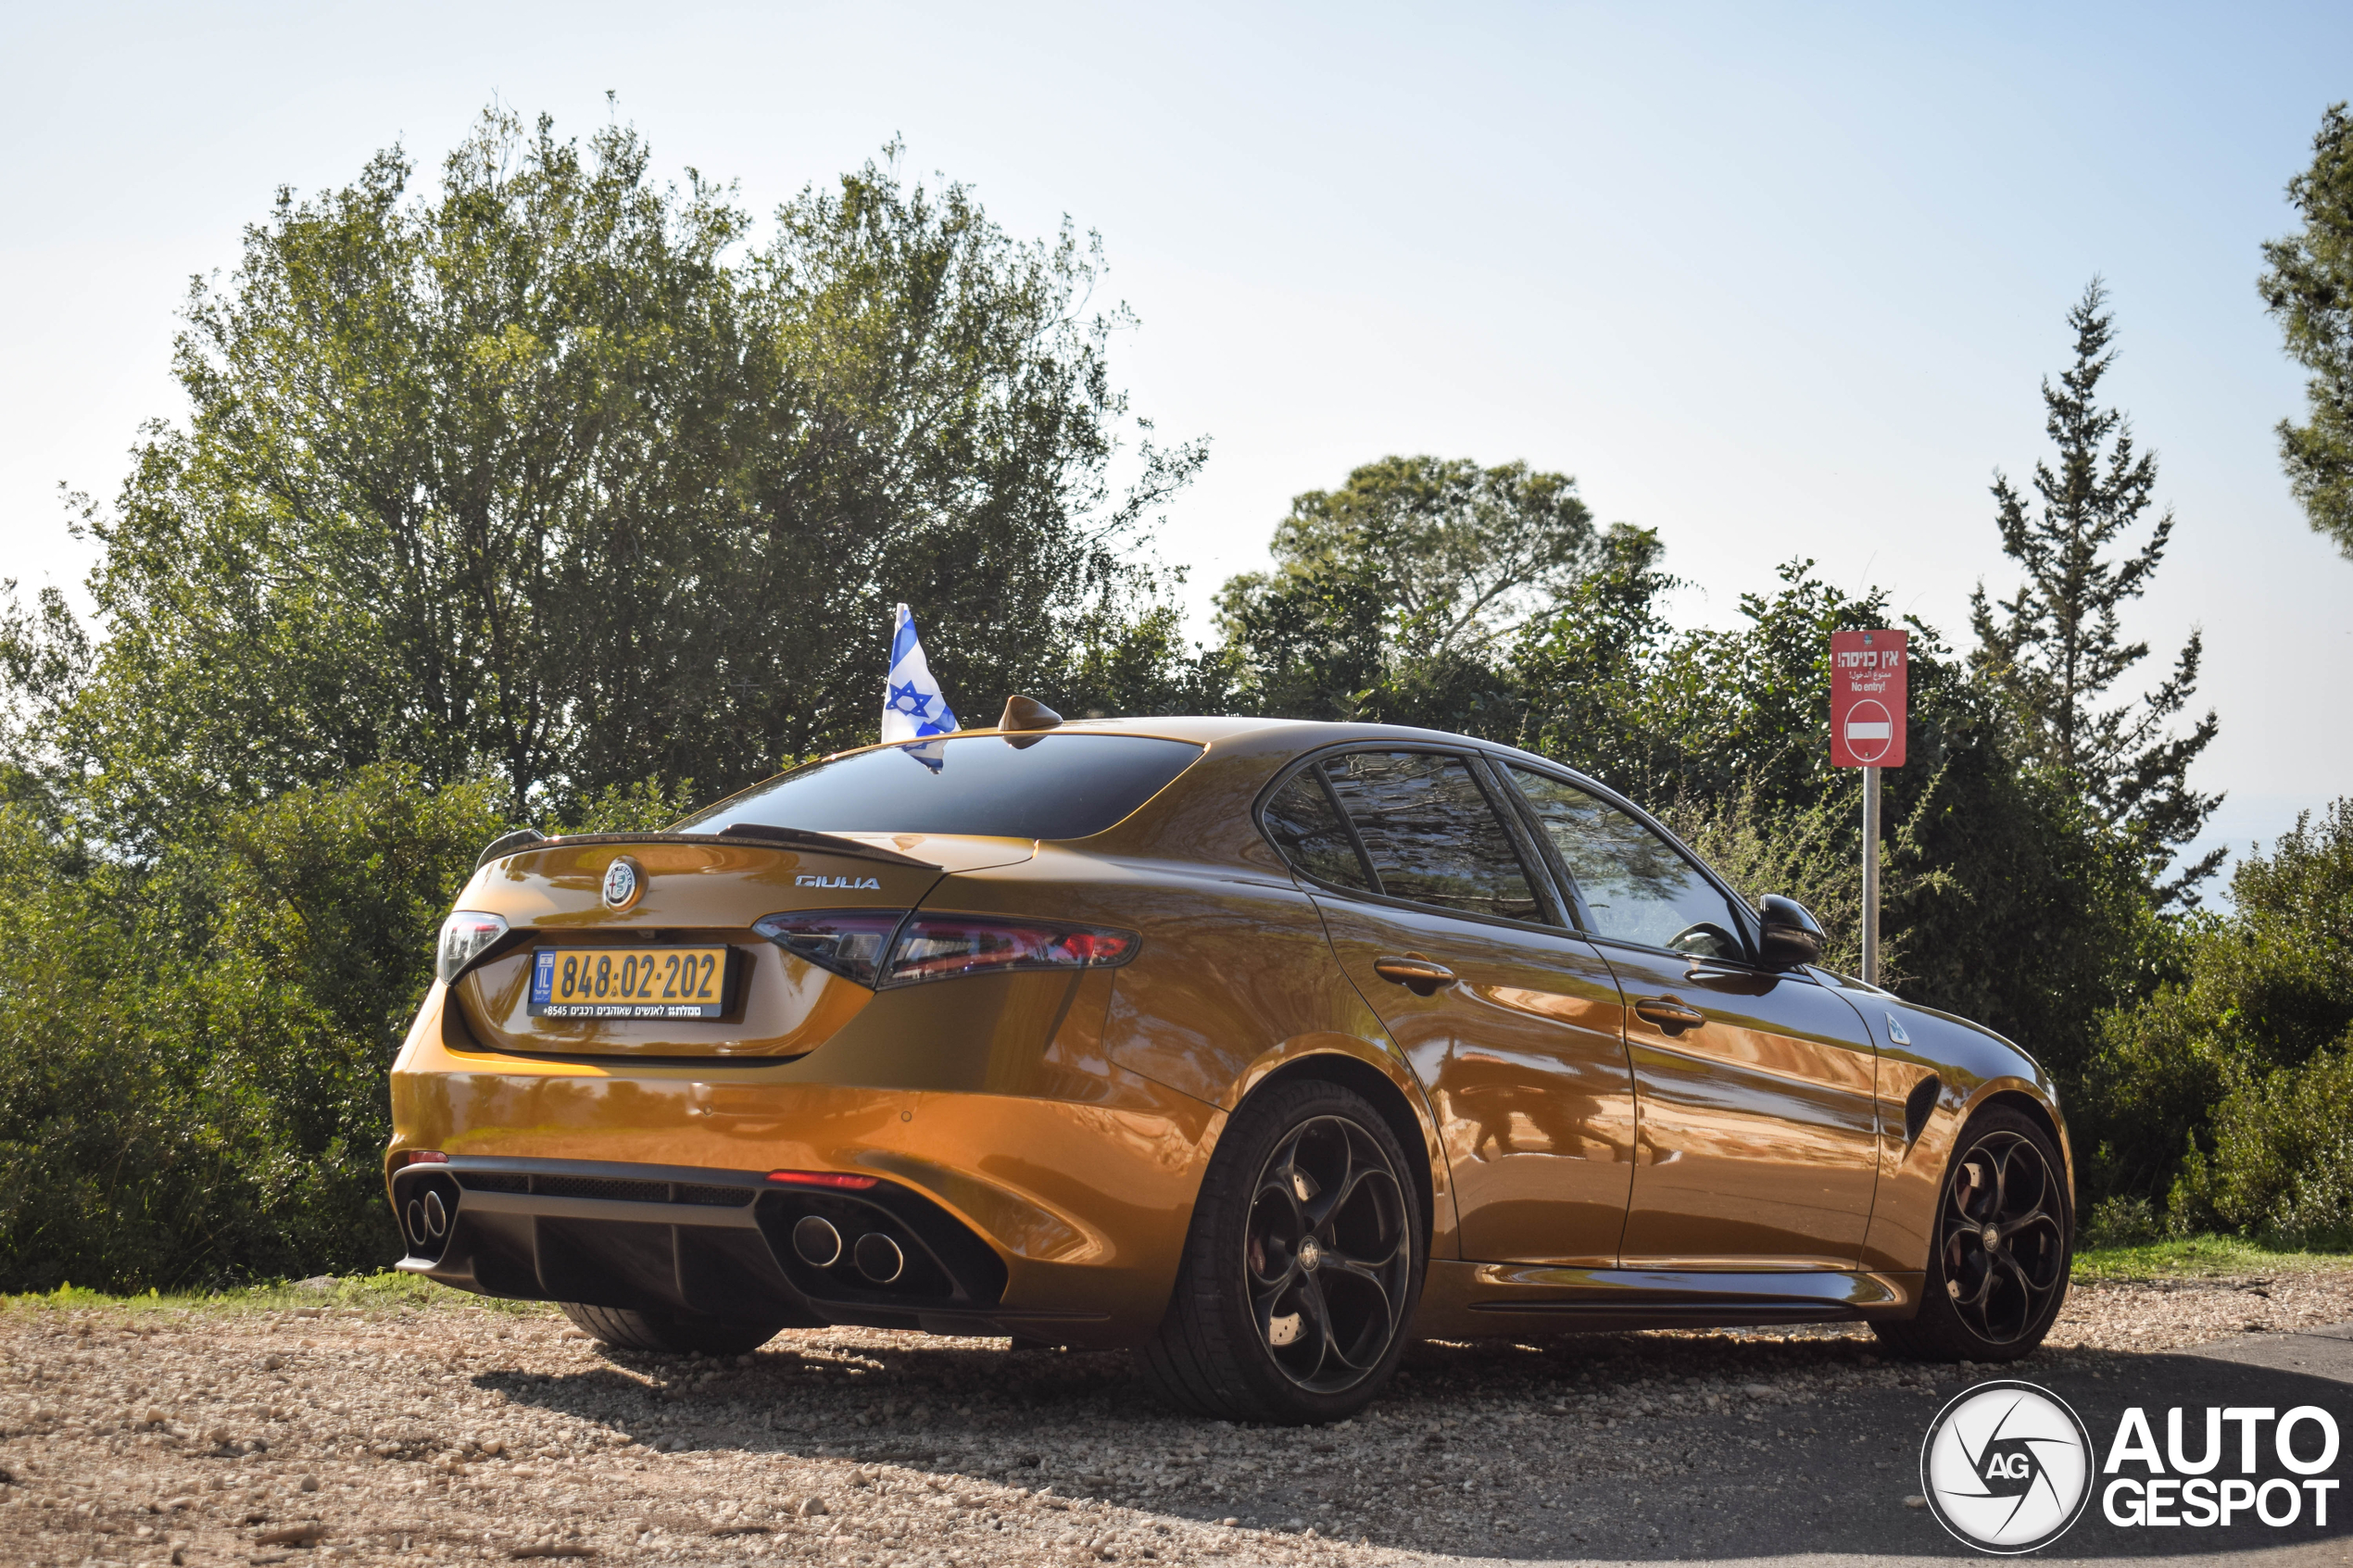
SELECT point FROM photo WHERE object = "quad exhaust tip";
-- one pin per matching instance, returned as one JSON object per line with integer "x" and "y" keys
{"x": 428, "y": 1218}
{"x": 878, "y": 1258}
{"x": 820, "y": 1246}
{"x": 817, "y": 1242}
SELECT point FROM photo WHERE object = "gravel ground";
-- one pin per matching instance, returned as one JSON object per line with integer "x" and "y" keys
{"x": 460, "y": 1432}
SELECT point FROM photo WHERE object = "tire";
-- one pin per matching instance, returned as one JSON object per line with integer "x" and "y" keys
{"x": 1243, "y": 1339}
{"x": 673, "y": 1333}
{"x": 1982, "y": 1303}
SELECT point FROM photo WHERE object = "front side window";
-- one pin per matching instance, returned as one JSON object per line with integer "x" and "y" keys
{"x": 1638, "y": 887}
{"x": 1431, "y": 834}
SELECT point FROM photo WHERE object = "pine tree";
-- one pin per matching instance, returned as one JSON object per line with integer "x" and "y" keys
{"x": 2057, "y": 648}
{"x": 2309, "y": 290}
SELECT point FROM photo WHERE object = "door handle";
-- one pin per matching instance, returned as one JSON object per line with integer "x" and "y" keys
{"x": 1671, "y": 1016}
{"x": 1423, "y": 976}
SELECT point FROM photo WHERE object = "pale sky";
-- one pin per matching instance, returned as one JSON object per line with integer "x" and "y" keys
{"x": 1774, "y": 281}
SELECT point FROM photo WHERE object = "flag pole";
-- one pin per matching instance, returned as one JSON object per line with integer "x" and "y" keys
{"x": 1870, "y": 877}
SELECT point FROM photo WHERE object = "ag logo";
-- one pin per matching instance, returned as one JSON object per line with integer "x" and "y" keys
{"x": 2007, "y": 1467}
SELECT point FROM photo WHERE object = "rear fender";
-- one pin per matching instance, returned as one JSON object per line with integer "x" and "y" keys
{"x": 1234, "y": 982}
{"x": 1370, "y": 1067}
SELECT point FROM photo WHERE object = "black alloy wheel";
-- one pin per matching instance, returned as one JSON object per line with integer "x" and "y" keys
{"x": 2004, "y": 1239}
{"x": 1327, "y": 1247}
{"x": 1302, "y": 1267}
{"x": 2004, "y": 1243}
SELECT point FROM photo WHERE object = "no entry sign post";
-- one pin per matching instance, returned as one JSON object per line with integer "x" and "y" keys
{"x": 1869, "y": 671}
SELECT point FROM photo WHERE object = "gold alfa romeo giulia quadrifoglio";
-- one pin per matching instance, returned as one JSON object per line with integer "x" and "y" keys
{"x": 1259, "y": 1046}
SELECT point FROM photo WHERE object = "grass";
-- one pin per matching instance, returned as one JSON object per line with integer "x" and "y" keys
{"x": 2199, "y": 1256}
{"x": 377, "y": 1292}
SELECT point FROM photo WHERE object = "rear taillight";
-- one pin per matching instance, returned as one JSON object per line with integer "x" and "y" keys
{"x": 464, "y": 935}
{"x": 850, "y": 942}
{"x": 889, "y": 947}
{"x": 942, "y": 947}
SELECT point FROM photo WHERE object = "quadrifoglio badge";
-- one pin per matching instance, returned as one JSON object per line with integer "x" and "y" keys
{"x": 2009, "y": 1467}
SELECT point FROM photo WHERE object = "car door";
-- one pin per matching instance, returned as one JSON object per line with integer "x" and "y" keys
{"x": 1757, "y": 1144}
{"x": 1509, "y": 1018}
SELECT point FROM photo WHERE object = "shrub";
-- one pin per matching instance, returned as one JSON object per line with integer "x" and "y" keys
{"x": 193, "y": 1058}
{"x": 2196, "y": 1090}
{"x": 2121, "y": 1222}
{"x": 2282, "y": 1166}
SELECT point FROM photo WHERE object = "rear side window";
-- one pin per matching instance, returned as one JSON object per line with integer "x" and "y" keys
{"x": 1028, "y": 787}
{"x": 1308, "y": 831}
{"x": 1431, "y": 834}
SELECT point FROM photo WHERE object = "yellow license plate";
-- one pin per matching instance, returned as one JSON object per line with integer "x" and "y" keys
{"x": 630, "y": 981}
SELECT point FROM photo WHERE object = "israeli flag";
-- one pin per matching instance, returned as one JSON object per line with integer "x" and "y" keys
{"x": 913, "y": 707}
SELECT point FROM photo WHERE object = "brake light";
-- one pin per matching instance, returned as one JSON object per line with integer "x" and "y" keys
{"x": 941, "y": 946}
{"x": 821, "y": 1179}
{"x": 883, "y": 949}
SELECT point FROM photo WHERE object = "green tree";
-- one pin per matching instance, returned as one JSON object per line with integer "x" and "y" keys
{"x": 553, "y": 495}
{"x": 1726, "y": 731}
{"x": 556, "y": 474}
{"x": 1392, "y": 596}
{"x": 2058, "y": 647}
{"x": 2308, "y": 289}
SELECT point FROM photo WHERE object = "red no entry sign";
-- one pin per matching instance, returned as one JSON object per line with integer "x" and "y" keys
{"x": 1868, "y": 672}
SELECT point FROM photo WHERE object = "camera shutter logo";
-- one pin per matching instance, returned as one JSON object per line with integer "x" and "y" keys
{"x": 2007, "y": 1467}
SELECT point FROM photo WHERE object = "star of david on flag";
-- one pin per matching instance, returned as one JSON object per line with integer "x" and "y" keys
{"x": 913, "y": 706}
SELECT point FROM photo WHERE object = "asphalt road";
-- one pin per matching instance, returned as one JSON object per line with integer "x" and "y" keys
{"x": 1827, "y": 1484}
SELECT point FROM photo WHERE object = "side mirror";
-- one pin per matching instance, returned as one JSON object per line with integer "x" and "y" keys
{"x": 1792, "y": 936}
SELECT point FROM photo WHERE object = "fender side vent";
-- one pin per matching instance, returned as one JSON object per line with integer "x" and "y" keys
{"x": 1916, "y": 1105}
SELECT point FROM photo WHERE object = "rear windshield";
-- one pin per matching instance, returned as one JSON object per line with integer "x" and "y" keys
{"x": 1045, "y": 786}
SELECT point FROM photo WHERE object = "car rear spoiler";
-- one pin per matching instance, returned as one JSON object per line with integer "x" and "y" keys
{"x": 753, "y": 833}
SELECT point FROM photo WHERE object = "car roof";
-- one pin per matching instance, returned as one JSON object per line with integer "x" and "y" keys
{"x": 1307, "y": 734}
{"x": 1302, "y": 733}
{"x": 1288, "y": 735}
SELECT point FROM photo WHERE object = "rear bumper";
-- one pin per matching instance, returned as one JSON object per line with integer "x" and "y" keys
{"x": 644, "y": 1184}
{"x": 711, "y": 1242}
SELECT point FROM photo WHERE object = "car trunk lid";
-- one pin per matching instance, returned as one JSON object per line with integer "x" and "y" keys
{"x": 693, "y": 894}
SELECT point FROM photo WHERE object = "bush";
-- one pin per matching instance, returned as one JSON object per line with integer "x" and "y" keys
{"x": 2121, "y": 1222}
{"x": 2198, "y": 1090}
{"x": 2282, "y": 1167}
{"x": 193, "y": 1058}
